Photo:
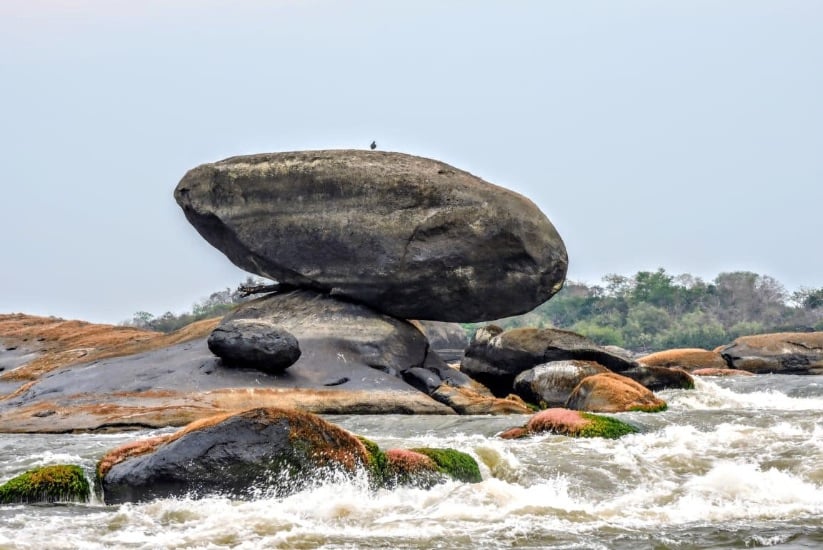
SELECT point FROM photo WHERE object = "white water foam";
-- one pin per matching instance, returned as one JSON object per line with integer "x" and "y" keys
{"x": 709, "y": 395}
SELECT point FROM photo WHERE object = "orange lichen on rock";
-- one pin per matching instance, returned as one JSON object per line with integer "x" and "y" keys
{"x": 561, "y": 421}
{"x": 685, "y": 358}
{"x": 404, "y": 461}
{"x": 60, "y": 343}
{"x": 610, "y": 392}
{"x": 721, "y": 372}
{"x": 129, "y": 450}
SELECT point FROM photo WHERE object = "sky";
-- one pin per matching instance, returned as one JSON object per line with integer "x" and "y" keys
{"x": 683, "y": 134}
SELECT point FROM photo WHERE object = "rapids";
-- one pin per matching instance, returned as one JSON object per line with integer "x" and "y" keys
{"x": 735, "y": 463}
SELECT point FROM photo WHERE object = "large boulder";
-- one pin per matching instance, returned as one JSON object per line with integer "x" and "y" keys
{"x": 779, "y": 353}
{"x": 256, "y": 344}
{"x": 495, "y": 357}
{"x": 612, "y": 393}
{"x": 269, "y": 450}
{"x": 409, "y": 236}
{"x": 550, "y": 384}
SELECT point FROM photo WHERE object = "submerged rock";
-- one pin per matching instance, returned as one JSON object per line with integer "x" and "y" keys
{"x": 268, "y": 451}
{"x": 254, "y": 343}
{"x": 610, "y": 392}
{"x": 495, "y": 357}
{"x": 571, "y": 423}
{"x": 412, "y": 237}
{"x": 779, "y": 353}
{"x": 58, "y": 483}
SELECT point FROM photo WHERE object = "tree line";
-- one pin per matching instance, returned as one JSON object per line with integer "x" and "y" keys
{"x": 649, "y": 311}
{"x": 655, "y": 310}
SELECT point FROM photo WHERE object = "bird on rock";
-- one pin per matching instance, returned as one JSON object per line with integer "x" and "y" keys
{"x": 373, "y": 145}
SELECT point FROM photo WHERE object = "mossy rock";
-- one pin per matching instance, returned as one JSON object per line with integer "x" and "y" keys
{"x": 605, "y": 426}
{"x": 59, "y": 483}
{"x": 377, "y": 463}
{"x": 454, "y": 464}
{"x": 652, "y": 408}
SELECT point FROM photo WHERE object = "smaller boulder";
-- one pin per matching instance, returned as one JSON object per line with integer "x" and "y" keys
{"x": 550, "y": 384}
{"x": 58, "y": 483}
{"x": 476, "y": 399}
{"x": 660, "y": 378}
{"x": 254, "y": 343}
{"x": 571, "y": 423}
{"x": 778, "y": 353}
{"x": 611, "y": 393}
{"x": 425, "y": 467}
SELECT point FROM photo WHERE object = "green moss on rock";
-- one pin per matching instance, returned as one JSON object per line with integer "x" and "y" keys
{"x": 604, "y": 426}
{"x": 651, "y": 408}
{"x": 377, "y": 463}
{"x": 62, "y": 482}
{"x": 454, "y": 464}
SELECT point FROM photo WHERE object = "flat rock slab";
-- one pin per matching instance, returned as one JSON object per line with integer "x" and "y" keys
{"x": 181, "y": 383}
{"x": 408, "y": 236}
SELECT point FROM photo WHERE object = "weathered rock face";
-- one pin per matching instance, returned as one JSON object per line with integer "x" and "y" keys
{"x": 571, "y": 423}
{"x": 610, "y": 392}
{"x": 412, "y": 237}
{"x": 687, "y": 359}
{"x": 779, "y": 353}
{"x": 495, "y": 357}
{"x": 258, "y": 450}
{"x": 550, "y": 384}
{"x": 255, "y": 344}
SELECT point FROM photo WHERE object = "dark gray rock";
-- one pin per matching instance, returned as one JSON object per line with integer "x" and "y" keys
{"x": 255, "y": 344}
{"x": 408, "y": 236}
{"x": 660, "y": 378}
{"x": 255, "y": 453}
{"x": 550, "y": 384}
{"x": 495, "y": 357}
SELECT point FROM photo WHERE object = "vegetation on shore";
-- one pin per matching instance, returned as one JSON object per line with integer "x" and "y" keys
{"x": 654, "y": 310}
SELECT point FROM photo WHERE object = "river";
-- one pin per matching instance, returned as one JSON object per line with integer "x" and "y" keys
{"x": 735, "y": 463}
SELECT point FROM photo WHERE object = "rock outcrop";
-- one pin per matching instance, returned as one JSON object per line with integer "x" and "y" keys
{"x": 448, "y": 340}
{"x": 268, "y": 451}
{"x": 408, "y": 236}
{"x": 779, "y": 353}
{"x": 612, "y": 393}
{"x": 495, "y": 357}
{"x": 254, "y": 344}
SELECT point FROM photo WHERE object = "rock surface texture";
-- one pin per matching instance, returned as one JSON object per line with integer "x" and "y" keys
{"x": 408, "y": 236}
{"x": 612, "y": 393}
{"x": 779, "y": 353}
{"x": 255, "y": 344}
{"x": 550, "y": 384}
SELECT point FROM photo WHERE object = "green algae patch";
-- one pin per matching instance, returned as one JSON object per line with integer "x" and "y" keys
{"x": 454, "y": 464}
{"x": 650, "y": 408}
{"x": 376, "y": 462}
{"x": 604, "y": 426}
{"x": 58, "y": 483}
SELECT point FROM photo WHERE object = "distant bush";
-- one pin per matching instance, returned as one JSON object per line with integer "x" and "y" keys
{"x": 217, "y": 304}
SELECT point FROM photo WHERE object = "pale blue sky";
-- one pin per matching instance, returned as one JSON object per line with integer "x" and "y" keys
{"x": 681, "y": 134}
